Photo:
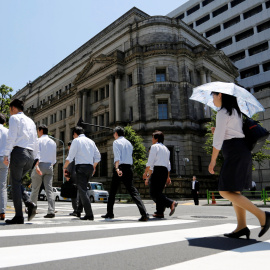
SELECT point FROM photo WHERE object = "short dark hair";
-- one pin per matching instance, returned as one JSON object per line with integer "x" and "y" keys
{"x": 19, "y": 104}
{"x": 43, "y": 128}
{"x": 120, "y": 131}
{"x": 69, "y": 143}
{"x": 2, "y": 119}
{"x": 158, "y": 135}
{"x": 78, "y": 130}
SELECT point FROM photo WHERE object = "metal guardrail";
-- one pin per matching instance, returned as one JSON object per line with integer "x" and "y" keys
{"x": 258, "y": 195}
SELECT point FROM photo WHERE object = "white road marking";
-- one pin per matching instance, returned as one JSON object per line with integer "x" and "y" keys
{"x": 94, "y": 227}
{"x": 19, "y": 255}
{"x": 249, "y": 258}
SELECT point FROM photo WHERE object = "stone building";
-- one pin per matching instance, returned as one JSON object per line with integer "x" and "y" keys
{"x": 140, "y": 70}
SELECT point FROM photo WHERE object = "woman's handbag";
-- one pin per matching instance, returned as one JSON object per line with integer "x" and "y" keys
{"x": 255, "y": 134}
{"x": 68, "y": 190}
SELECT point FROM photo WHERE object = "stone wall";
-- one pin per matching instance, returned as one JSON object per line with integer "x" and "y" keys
{"x": 180, "y": 187}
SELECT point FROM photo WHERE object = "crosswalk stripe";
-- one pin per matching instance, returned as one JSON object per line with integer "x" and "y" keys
{"x": 95, "y": 227}
{"x": 239, "y": 258}
{"x": 18, "y": 255}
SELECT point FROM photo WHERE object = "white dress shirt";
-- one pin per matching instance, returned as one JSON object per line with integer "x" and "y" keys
{"x": 159, "y": 156}
{"x": 193, "y": 184}
{"x": 227, "y": 127}
{"x": 84, "y": 150}
{"x": 122, "y": 150}
{"x": 3, "y": 139}
{"x": 22, "y": 133}
{"x": 47, "y": 150}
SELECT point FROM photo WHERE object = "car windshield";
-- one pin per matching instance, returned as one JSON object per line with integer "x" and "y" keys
{"x": 97, "y": 186}
{"x": 58, "y": 189}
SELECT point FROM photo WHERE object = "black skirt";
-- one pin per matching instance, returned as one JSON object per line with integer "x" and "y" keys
{"x": 236, "y": 171}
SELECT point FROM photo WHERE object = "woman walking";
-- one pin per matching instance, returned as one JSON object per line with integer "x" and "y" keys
{"x": 236, "y": 171}
{"x": 158, "y": 167}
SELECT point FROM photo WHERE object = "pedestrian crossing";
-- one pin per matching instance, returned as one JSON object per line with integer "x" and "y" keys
{"x": 124, "y": 243}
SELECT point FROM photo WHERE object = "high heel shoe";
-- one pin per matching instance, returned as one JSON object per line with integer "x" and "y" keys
{"x": 266, "y": 226}
{"x": 238, "y": 234}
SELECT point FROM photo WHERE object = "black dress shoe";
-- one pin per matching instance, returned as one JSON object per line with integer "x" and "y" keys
{"x": 156, "y": 215}
{"x": 238, "y": 234}
{"x": 174, "y": 205}
{"x": 32, "y": 208}
{"x": 78, "y": 215}
{"x": 50, "y": 216}
{"x": 266, "y": 226}
{"x": 144, "y": 218}
{"x": 111, "y": 216}
{"x": 15, "y": 220}
{"x": 73, "y": 214}
{"x": 87, "y": 218}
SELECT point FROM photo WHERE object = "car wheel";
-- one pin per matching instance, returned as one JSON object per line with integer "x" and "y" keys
{"x": 57, "y": 198}
{"x": 92, "y": 199}
{"x": 45, "y": 198}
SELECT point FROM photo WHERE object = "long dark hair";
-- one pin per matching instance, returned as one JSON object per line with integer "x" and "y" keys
{"x": 229, "y": 103}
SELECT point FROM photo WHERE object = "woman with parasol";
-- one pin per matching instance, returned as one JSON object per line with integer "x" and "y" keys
{"x": 236, "y": 171}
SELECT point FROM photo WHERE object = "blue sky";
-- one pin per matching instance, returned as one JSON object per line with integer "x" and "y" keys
{"x": 35, "y": 35}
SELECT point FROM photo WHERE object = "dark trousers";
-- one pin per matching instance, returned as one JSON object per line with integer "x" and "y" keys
{"x": 77, "y": 203}
{"x": 21, "y": 161}
{"x": 157, "y": 185}
{"x": 84, "y": 172}
{"x": 195, "y": 196}
{"x": 127, "y": 179}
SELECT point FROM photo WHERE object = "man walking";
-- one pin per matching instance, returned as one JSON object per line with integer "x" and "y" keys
{"x": 195, "y": 190}
{"x": 86, "y": 156}
{"x": 122, "y": 150}
{"x": 76, "y": 202}
{"x": 46, "y": 159}
{"x": 20, "y": 150}
{"x": 3, "y": 167}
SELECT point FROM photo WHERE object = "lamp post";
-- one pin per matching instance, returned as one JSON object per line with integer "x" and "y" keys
{"x": 63, "y": 153}
{"x": 177, "y": 150}
{"x": 185, "y": 160}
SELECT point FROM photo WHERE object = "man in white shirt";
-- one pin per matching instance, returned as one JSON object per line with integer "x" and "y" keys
{"x": 3, "y": 167}
{"x": 21, "y": 147}
{"x": 86, "y": 156}
{"x": 122, "y": 150}
{"x": 46, "y": 159}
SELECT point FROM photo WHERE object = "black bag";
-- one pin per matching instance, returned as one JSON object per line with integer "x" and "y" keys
{"x": 68, "y": 190}
{"x": 255, "y": 134}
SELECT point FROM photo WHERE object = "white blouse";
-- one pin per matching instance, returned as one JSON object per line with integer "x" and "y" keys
{"x": 227, "y": 127}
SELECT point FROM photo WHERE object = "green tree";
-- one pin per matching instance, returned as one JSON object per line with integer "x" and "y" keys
{"x": 260, "y": 157}
{"x": 5, "y": 97}
{"x": 139, "y": 151}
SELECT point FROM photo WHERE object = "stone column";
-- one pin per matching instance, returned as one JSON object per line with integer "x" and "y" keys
{"x": 78, "y": 112}
{"x": 84, "y": 105}
{"x": 117, "y": 99}
{"x": 202, "y": 75}
{"x": 111, "y": 100}
{"x": 208, "y": 76}
{"x": 106, "y": 118}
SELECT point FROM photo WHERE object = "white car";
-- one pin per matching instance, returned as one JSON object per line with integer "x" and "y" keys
{"x": 56, "y": 194}
{"x": 96, "y": 192}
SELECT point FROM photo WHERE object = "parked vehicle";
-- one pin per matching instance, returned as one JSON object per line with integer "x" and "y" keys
{"x": 96, "y": 192}
{"x": 56, "y": 194}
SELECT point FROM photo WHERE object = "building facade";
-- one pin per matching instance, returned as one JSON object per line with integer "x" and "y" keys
{"x": 140, "y": 70}
{"x": 241, "y": 29}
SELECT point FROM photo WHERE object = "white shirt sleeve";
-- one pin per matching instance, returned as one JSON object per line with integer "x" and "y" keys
{"x": 151, "y": 158}
{"x": 97, "y": 156}
{"x": 116, "y": 152}
{"x": 12, "y": 136}
{"x": 221, "y": 125}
